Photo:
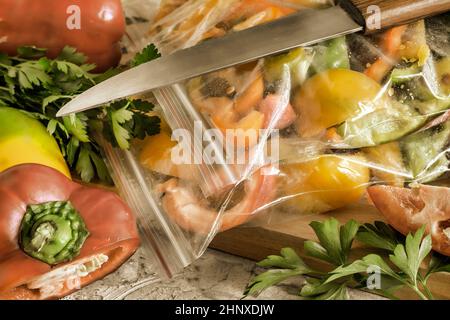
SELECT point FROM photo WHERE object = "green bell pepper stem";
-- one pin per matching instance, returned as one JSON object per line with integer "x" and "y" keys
{"x": 52, "y": 232}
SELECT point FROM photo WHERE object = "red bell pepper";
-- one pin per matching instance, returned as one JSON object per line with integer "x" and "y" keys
{"x": 57, "y": 236}
{"x": 407, "y": 210}
{"x": 93, "y": 27}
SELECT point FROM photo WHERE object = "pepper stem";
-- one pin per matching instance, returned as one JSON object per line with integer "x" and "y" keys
{"x": 52, "y": 232}
{"x": 42, "y": 235}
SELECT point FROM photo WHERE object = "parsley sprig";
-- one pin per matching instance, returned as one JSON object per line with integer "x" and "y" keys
{"x": 402, "y": 265}
{"x": 41, "y": 86}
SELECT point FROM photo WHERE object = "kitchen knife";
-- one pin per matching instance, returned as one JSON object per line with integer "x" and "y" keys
{"x": 303, "y": 28}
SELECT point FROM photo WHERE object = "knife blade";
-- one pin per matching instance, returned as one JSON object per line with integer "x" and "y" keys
{"x": 304, "y": 28}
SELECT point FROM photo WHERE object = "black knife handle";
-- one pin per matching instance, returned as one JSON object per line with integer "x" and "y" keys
{"x": 375, "y": 15}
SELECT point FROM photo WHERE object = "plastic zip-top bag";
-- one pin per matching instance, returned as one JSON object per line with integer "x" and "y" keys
{"x": 304, "y": 132}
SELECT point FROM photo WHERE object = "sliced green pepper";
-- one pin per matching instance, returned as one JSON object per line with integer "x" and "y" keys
{"x": 403, "y": 75}
{"x": 425, "y": 152}
{"x": 52, "y": 232}
{"x": 425, "y": 87}
{"x": 303, "y": 62}
{"x": 431, "y": 107}
{"x": 443, "y": 74}
{"x": 332, "y": 54}
{"x": 381, "y": 126}
{"x": 414, "y": 84}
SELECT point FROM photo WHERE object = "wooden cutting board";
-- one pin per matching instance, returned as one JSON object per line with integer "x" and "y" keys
{"x": 256, "y": 243}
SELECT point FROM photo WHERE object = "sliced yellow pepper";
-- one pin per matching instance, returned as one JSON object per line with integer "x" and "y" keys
{"x": 332, "y": 97}
{"x": 324, "y": 183}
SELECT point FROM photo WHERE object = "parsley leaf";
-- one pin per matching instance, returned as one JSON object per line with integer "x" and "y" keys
{"x": 129, "y": 119}
{"x": 363, "y": 266}
{"x": 31, "y": 52}
{"x": 117, "y": 118}
{"x": 84, "y": 165}
{"x": 72, "y": 148}
{"x": 335, "y": 241}
{"x": 149, "y": 53}
{"x": 70, "y": 54}
{"x": 76, "y": 125}
{"x": 289, "y": 259}
{"x": 439, "y": 263}
{"x": 89, "y": 164}
{"x": 30, "y": 74}
{"x": 318, "y": 290}
{"x": 100, "y": 167}
{"x": 409, "y": 257}
{"x": 268, "y": 279}
{"x": 290, "y": 265}
{"x": 379, "y": 235}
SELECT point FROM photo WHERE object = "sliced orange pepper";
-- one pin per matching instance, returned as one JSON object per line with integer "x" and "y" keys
{"x": 156, "y": 155}
{"x": 251, "y": 97}
{"x": 332, "y": 135}
{"x": 391, "y": 43}
{"x": 243, "y": 130}
{"x": 248, "y": 8}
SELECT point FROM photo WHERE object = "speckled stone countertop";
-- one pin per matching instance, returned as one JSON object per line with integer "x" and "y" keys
{"x": 215, "y": 275}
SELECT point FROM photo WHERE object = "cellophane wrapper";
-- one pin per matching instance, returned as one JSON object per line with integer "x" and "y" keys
{"x": 300, "y": 133}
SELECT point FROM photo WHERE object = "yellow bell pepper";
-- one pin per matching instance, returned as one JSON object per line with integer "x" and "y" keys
{"x": 324, "y": 183}
{"x": 332, "y": 97}
{"x": 25, "y": 140}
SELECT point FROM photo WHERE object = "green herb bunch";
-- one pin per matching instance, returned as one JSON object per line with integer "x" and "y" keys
{"x": 40, "y": 86}
{"x": 403, "y": 262}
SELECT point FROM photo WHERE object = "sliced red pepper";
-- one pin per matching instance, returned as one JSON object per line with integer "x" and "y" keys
{"x": 110, "y": 223}
{"x": 93, "y": 27}
{"x": 407, "y": 210}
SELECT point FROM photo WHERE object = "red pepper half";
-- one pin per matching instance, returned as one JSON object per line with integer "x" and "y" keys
{"x": 93, "y": 27}
{"x": 407, "y": 210}
{"x": 33, "y": 198}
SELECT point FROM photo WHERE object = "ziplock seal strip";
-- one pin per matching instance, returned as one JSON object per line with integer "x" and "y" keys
{"x": 162, "y": 241}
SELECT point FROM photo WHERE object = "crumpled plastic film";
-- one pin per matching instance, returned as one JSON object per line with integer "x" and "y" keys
{"x": 313, "y": 128}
